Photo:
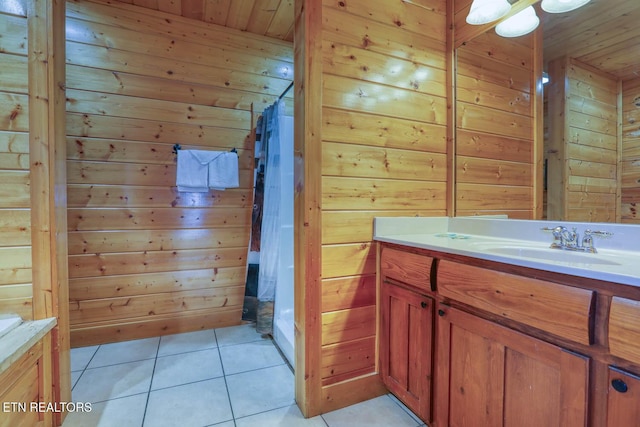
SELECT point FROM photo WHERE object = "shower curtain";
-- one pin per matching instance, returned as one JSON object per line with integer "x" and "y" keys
{"x": 270, "y": 229}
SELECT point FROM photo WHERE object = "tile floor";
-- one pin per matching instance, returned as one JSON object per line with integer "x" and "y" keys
{"x": 227, "y": 377}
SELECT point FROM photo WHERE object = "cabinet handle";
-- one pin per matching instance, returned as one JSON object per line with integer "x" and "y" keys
{"x": 441, "y": 313}
{"x": 619, "y": 386}
{"x": 423, "y": 304}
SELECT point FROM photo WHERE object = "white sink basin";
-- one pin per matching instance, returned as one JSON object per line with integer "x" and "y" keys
{"x": 549, "y": 254}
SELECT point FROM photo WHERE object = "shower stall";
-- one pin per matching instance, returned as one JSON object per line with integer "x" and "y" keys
{"x": 275, "y": 277}
{"x": 283, "y": 326}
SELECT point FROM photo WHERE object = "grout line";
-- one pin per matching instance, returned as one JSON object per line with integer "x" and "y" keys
{"x": 118, "y": 397}
{"x": 286, "y": 361}
{"x": 254, "y": 370}
{"x": 120, "y": 363}
{"x": 224, "y": 376}
{"x": 153, "y": 372}
{"x": 84, "y": 369}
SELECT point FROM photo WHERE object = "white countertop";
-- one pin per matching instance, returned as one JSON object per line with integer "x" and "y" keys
{"x": 21, "y": 338}
{"x": 522, "y": 243}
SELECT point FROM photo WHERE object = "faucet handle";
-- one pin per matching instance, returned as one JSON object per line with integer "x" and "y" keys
{"x": 558, "y": 240}
{"x": 587, "y": 239}
{"x": 603, "y": 234}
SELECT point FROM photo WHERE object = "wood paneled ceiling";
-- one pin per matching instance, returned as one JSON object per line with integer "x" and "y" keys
{"x": 271, "y": 18}
{"x": 603, "y": 33}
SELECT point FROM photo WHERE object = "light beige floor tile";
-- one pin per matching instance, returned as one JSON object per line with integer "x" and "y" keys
{"x": 186, "y": 368}
{"x": 114, "y": 381}
{"x": 238, "y": 335}
{"x": 188, "y": 341}
{"x": 378, "y": 412}
{"x": 190, "y": 405}
{"x": 249, "y": 356}
{"x": 126, "y": 351}
{"x": 261, "y": 390}
{"x": 289, "y": 416}
{"x": 124, "y": 412}
{"x": 81, "y": 356}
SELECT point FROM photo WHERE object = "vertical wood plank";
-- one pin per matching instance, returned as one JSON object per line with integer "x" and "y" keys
{"x": 451, "y": 109}
{"x": 556, "y": 152}
{"x": 47, "y": 150}
{"x": 307, "y": 204}
{"x": 537, "y": 152}
{"x": 619, "y": 153}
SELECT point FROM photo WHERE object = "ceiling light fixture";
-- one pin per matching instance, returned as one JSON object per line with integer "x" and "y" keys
{"x": 485, "y": 11}
{"x": 562, "y": 6}
{"x": 519, "y": 24}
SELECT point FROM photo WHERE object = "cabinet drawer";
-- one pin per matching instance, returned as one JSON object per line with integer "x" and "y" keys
{"x": 624, "y": 329}
{"x": 407, "y": 267}
{"x": 562, "y": 310}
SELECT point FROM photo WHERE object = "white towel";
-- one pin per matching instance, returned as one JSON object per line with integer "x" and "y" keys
{"x": 192, "y": 174}
{"x": 223, "y": 171}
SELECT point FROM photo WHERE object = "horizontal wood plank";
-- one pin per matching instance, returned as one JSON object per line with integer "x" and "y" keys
{"x": 372, "y": 162}
{"x": 357, "y": 226}
{"x": 83, "y": 195}
{"x": 365, "y": 97}
{"x": 348, "y": 325}
{"x": 152, "y": 304}
{"x": 361, "y": 256}
{"x": 15, "y": 227}
{"x": 15, "y": 265}
{"x": 82, "y": 101}
{"x": 88, "y": 219}
{"x": 103, "y": 241}
{"x": 124, "y": 285}
{"x": 154, "y": 261}
{"x": 345, "y": 358}
{"x": 98, "y": 126}
{"x": 348, "y": 292}
{"x": 379, "y": 131}
{"x": 152, "y": 326}
{"x": 372, "y": 194}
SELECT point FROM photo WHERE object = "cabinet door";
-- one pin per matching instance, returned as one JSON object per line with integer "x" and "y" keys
{"x": 489, "y": 375}
{"x": 406, "y": 347}
{"x": 623, "y": 402}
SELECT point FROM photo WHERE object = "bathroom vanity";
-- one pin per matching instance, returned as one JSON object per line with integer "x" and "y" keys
{"x": 483, "y": 324}
{"x": 25, "y": 374}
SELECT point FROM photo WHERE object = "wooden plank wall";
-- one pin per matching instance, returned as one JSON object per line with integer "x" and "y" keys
{"x": 583, "y": 112}
{"x": 630, "y": 184}
{"x": 592, "y": 144}
{"x": 144, "y": 259}
{"x": 16, "y": 293}
{"x": 495, "y": 111}
{"x": 384, "y": 149}
{"x": 33, "y": 251}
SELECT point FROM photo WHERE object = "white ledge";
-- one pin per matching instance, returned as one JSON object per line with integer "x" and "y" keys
{"x": 617, "y": 260}
{"x": 21, "y": 338}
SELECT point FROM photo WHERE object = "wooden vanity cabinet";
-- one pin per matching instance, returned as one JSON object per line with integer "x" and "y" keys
{"x": 623, "y": 399}
{"x": 406, "y": 329}
{"x": 490, "y": 375}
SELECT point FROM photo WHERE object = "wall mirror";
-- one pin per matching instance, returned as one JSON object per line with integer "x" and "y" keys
{"x": 591, "y": 113}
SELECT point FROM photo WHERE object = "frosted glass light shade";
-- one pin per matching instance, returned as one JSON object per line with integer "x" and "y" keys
{"x": 485, "y": 11}
{"x": 561, "y": 6}
{"x": 519, "y": 24}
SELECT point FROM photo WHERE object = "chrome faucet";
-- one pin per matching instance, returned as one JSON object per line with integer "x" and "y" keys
{"x": 570, "y": 240}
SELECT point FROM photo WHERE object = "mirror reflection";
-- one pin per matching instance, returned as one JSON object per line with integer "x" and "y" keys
{"x": 592, "y": 144}
{"x": 591, "y": 115}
